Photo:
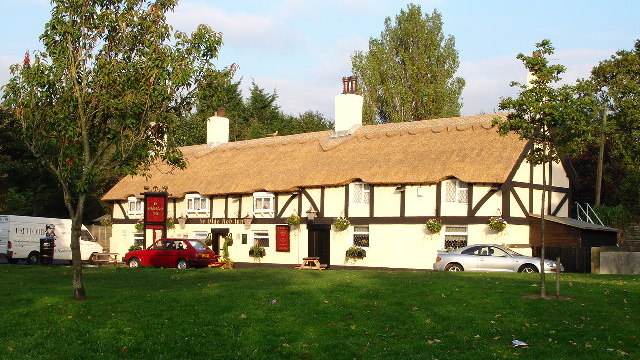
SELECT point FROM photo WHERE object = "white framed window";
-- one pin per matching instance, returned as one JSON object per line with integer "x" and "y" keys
{"x": 361, "y": 235}
{"x": 456, "y": 191}
{"x": 134, "y": 206}
{"x": 455, "y": 236}
{"x": 361, "y": 194}
{"x": 262, "y": 202}
{"x": 261, "y": 238}
{"x": 138, "y": 239}
{"x": 197, "y": 203}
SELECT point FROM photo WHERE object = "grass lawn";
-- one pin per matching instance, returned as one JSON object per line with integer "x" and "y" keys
{"x": 213, "y": 314}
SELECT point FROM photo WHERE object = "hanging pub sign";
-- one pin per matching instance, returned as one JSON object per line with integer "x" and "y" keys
{"x": 282, "y": 238}
{"x": 156, "y": 208}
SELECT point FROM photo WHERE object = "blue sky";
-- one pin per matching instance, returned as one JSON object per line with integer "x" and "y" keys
{"x": 302, "y": 48}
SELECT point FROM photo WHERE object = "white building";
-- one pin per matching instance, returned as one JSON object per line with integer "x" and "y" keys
{"x": 387, "y": 179}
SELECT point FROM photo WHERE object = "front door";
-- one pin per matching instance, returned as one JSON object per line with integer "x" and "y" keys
{"x": 216, "y": 237}
{"x": 319, "y": 236}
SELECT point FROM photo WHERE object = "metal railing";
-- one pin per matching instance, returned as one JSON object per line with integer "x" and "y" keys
{"x": 587, "y": 214}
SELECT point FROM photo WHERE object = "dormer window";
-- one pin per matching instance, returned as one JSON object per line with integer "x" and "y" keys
{"x": 197, "y": 203}
{"x": 262, "y": 202}
{"x": 134, "y": 206}
{"x": 361, "y": 194}
{"x": 456, "y": 191}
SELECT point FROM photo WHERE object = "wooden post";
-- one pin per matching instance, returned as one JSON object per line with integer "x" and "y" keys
{"x": 558, "y": 277}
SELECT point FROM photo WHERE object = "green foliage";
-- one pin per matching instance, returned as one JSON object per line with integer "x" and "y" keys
{"x": 293, "y": 220}
{"x": 135, "y": 247}
{"x": 341, "y": 223}
{"x": 614, "y": 216}
{"x": 355, "y": 252}
{"x": 346, "y": 314}
{"x": 497, "y": 223}
{"x": 257, "y": 252}
{"x": 171, "y": 224}
{"x": 228, "y": 264}
{"x": 408, "y": 73}
{"x": 557, "y": 120}
{"x": 101, "y": 96}
{"x": 434, "y": 225}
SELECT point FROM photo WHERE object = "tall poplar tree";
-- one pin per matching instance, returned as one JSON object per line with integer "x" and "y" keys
{"x": 101, "y": 97}
{"x": 408, "y": 73}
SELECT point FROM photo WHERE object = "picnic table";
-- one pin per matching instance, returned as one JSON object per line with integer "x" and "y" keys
{"x": 106, "y": 258}
{"x": 311, "y": 263}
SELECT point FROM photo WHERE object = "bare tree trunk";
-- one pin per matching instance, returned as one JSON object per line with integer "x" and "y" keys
{"x": 76, "y": 257}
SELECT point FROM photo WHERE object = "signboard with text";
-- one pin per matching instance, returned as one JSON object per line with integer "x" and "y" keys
{"x": 282, "y": 238}
{"x": 155, "y": 209}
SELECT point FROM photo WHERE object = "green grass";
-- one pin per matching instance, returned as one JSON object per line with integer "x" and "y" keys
{"x": 213, "y": 314}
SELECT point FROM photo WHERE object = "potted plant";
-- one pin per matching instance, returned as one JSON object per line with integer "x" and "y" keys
{"x": 257, "y": 252}
{"x": 355, "y": 252}
{"x": 434, "y": 225}
{"x": 293, "y": 220}
{"x": 139, "y": 225}
{"x": 135, "y": 247}
{"x": 497, "y": 223}
{"x": 171, "y": 224}
{"x": 341, "y": 223}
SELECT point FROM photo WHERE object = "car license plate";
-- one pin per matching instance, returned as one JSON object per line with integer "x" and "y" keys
{"x": 205, "y": 255}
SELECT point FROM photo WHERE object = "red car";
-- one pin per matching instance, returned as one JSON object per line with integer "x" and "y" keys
{"x": 180, "y": 253}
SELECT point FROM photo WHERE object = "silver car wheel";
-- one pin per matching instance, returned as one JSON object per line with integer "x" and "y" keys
{"x": 528, "y": 269}
{"x": 182, "y": 264}
{"x": 454, "y": 267}
{"x": 134, "y": 263}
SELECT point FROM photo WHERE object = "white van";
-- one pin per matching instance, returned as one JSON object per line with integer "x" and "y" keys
{"x": 20, "y": 238}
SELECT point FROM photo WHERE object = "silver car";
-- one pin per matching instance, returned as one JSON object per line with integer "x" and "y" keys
{"x": 488, "y": 257}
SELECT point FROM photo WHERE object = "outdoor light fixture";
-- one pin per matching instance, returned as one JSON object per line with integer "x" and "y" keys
{"x": 311, "y": 214}
{"x": 400, "y": 188}
{"x": 247, "y": 220}
{"x": 146, "y": 187}
{"x": 182, "y": 221}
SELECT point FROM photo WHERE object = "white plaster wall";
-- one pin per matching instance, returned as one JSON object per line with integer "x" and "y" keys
{"x": 515, "y": 210}
{"x": 522, "y": 174}
{"x": 420, "y": 205}
{"x": 559, "y": 176}
{"x": 493, "y": 206}
{"x": 334, "y": 201}
{"x": 315, "y": 194}
{"x": 386, "y": 202}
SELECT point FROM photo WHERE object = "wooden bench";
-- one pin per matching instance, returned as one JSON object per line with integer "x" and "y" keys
{"x": 106, "y": 258}
{"x": 311, "y": 263}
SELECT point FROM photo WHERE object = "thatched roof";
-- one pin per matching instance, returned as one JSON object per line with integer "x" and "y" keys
{"x": 419, "y": 152}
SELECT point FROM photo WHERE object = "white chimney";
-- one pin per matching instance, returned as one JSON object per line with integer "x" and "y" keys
{"x": 348, "y": 106}
{"x": 218, "y": 128}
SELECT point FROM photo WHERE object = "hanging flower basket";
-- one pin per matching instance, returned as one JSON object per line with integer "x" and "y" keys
{"x": 341, "y": 223}
{"x": 293, "y": 220}
{"x": 434, "y": 225}
{"x": 497, "y": 223}
{"x": 139, "y": 225}
{"x": 171, "y": 224}
{"x": 106, "y": 222}
{"x": 355, "y": 252}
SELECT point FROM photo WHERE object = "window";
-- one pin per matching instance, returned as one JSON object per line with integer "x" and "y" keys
{"x": 138, "y": 239}
{"x": 455, "y": 237}
{"x": 262, "y": 203}
{"x": 197, "y": 203}
{"x": 361, "y": 194}
{"x": 134, "y": 206}
{"x": 456, "y": 191}
{"x": 261, "y": 238}
{"x": 361, "y": 236}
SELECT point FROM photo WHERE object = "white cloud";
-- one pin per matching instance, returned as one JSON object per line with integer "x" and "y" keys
{"x": 487, "y": 81}
{"x": 256, "y": 33}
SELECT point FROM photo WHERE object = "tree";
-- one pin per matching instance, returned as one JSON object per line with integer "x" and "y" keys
{"x": 99, "y": 99}
{"x": 617, "y": 82}
{"x": 408, "y": 73}
{"x": 556, "y": 120}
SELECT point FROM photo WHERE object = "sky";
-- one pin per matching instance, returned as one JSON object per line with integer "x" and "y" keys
{"x": 301, "y": 48}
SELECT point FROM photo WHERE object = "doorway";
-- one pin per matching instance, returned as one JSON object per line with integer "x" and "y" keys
{"x": 216, "y": 236}
{"x": 319, "y": 236}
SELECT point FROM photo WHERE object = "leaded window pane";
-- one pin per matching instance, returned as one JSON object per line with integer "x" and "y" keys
{"x": 450, "y": 191}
